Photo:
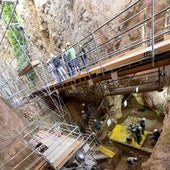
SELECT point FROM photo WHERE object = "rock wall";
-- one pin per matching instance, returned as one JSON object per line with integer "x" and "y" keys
{"x": 50, "y": 23}
{"x": 10, "y": 126}
{"x": 160, "y": 158}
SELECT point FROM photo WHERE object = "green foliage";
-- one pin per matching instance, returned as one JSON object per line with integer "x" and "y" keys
{"x": 15, "y": 35}
{"x": 6, "y": 13}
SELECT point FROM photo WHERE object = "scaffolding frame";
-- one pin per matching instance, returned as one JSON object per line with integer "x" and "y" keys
{"x": 18, "y": 88}
{"x": 35, "y": 131}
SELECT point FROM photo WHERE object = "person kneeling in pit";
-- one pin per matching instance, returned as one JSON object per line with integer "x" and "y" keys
{"x": 131, "y": 162}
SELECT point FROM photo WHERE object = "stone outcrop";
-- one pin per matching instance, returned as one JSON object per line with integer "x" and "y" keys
{"x": 49, "y": 24}
{"x": 160, "y": 158}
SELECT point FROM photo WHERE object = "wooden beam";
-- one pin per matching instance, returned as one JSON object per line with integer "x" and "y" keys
{"x": 129, "y": 90}
{"x": 29, "y": 66}
{"x": 144, "y": 67}
{"x": 40, "y": 165}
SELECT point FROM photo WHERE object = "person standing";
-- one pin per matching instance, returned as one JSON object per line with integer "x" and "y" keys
{"x": 84, "y": 57}
{"x": 52, "y": 69}
{"x": 67, "y": 62}
{"x": 97, "y": 124}
{"x": 142, "y": 124}
{"x": 59, "y": 67}
{"x": 137, "y": 135}
{"x": 74, "y": 60}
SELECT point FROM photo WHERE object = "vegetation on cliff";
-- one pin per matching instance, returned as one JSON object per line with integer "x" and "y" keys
{"x": 15, "y": 34}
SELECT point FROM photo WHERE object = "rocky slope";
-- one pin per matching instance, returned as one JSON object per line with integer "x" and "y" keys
{"x": 10, "y": 126}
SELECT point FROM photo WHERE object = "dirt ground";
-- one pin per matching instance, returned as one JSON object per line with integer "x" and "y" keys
{"x": 133, "y": 113}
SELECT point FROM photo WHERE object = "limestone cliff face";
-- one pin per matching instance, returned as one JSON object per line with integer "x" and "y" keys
{"x": 50, "y": 23}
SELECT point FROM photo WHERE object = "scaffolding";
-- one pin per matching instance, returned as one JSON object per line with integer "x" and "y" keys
{"x": 108, "y": 57}
{"x": 48, "y": 144}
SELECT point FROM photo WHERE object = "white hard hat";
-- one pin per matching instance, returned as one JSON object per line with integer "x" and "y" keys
{"x": 143, "y": 118}
{"x": 83, "y": 104}
{"x": 82, "y": 111}
{"x": 95, "y": 120}
{"x": 135, "y": 159}
{"x": 155, "y": 130}
{"x": 63, "y": 50}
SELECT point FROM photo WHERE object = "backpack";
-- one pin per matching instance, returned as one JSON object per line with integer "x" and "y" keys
{"x": 56, "y": 62}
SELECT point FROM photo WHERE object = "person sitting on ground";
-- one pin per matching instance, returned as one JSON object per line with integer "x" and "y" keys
{"x": 131, "y": 161}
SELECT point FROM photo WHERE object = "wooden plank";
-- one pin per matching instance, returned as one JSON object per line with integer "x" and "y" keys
{"x": 64, "y": 157}
{"x": 84, "y": 74}
{"x": 59, "y": 149}
{"x": 29, "y": 66}
{"x": 163, "y": 48}
{"x": 40, "y": 165}
{"x": 135, "y": 50}
{"x": 99, "y": 68}
{"x": 166, "y": 37}
{"x": 144, "y": 67}
{"x": 106, "y": 151}
{"x": 53, "y": 146}
{"x": 122, "y": 62}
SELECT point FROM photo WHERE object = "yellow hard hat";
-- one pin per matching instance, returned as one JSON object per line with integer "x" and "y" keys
{"x": 68, "y": 43}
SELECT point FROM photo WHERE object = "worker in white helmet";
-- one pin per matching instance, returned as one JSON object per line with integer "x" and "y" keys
{"x": 131, "y": 161}
{"x": 156, "y": 135}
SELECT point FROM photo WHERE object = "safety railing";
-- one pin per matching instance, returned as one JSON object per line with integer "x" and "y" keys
{"x": 36, "y": 132}
{"x": 113, "y": 39}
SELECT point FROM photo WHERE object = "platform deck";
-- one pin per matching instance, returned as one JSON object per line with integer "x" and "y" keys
{"x": 120, "y": 133}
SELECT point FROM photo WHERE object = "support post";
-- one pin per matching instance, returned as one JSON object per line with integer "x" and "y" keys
{"x": 152, "y": 31}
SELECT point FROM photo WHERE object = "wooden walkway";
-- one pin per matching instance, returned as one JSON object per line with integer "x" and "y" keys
{"x": 117, "y": 66}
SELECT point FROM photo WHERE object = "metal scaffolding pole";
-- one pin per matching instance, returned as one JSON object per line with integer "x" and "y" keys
{"x": 9, "y": 1}
{"x": 152, "y": 31}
